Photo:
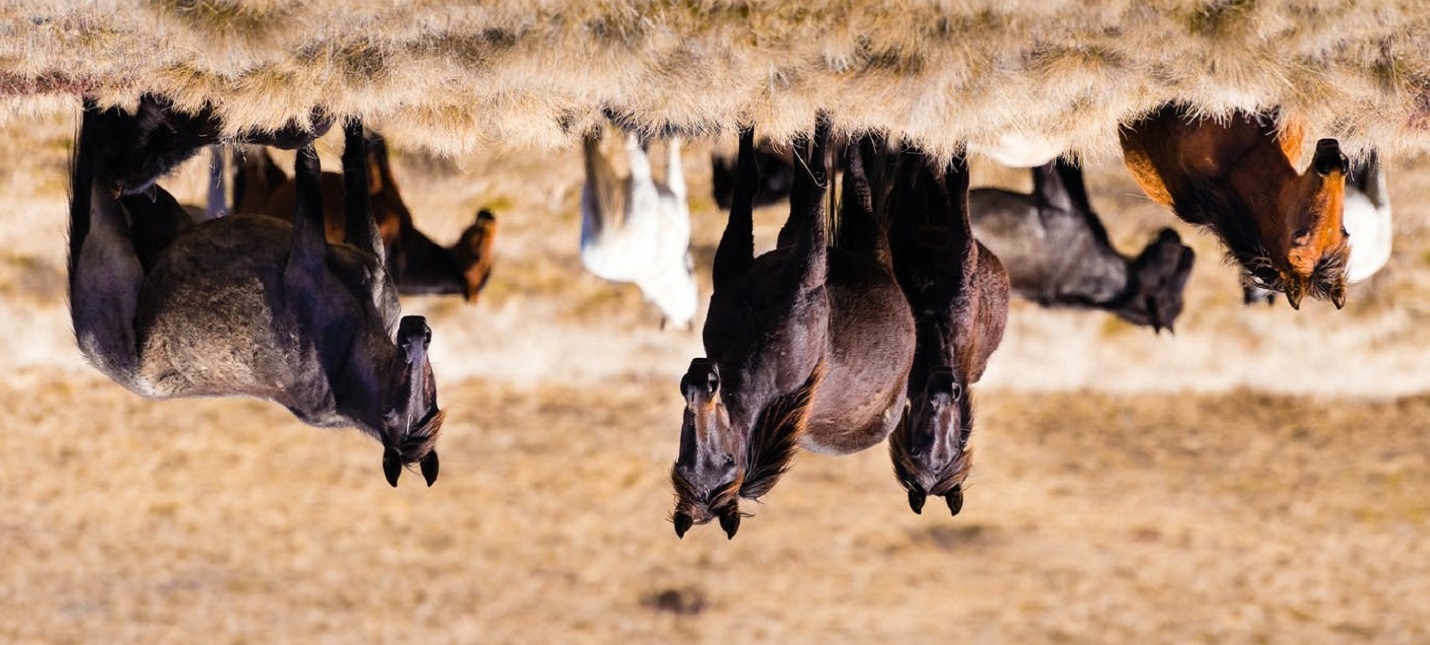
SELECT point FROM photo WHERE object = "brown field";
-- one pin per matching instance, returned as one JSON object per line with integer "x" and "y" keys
{"x": 1260, "y": 477}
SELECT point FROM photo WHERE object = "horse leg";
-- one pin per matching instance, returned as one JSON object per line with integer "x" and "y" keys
{"x": 156, "y": 220}
{"x": 674, "y": 171}
{"x": 736, "y": 252}
{"x": 811, "y": 243}
{"x": 962, "y": 244}
{"x": 105, "y": 274}
{"x": 217, "y": 205}
{"x": 859, "y": 229}
{"x": 360, "y": 229}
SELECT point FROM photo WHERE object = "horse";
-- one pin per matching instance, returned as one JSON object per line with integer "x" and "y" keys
{"x": 958, "y": 291}
{"x": 635, "y": 229}
{"x": 1234, "y": 176}
{"x": 418, "y": 265}
{"x": 247, "y": 304}
{"x": 806, "y": 346}
{"x": 1367, "y": 222}
{"x": 1056, "y": 251}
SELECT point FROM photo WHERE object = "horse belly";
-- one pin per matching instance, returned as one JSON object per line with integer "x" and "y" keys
{"x": 871, "y": 340}
{"x": 208, "y": 314}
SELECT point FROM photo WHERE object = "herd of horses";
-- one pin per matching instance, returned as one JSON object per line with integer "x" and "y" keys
{"x": 869, "y": 322}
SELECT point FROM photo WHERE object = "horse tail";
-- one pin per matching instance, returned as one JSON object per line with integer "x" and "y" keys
{"x": 604, "y": 197}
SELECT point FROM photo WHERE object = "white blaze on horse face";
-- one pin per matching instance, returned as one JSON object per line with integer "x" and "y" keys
{"x": 711, "y": 450}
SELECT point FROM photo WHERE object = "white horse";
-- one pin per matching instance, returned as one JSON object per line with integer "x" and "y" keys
{"x": 638, "y": 230}
{"x": 1018, "y": 150}
{"x": 1367, "y": 219}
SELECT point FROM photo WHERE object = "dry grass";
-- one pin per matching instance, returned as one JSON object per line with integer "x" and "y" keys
{"x": 455, "y": 78}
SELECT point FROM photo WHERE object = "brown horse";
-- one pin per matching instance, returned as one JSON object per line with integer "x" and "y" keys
{"x": 1057, "y": 253}
{"x": 958, "y": 291}
{"x": 806, "y": 346}
{"x": 1235, "y": 177}
{"x": 418, "y": 265}
{"x": 247, "y": 305}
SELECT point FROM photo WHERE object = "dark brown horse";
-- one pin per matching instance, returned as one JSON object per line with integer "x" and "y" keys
{"x": 247, "y": 305}
{"x": 958, "y": 291}
{"x": 1235, "y": 177}
{"x": 806, "y": 346}
{"x": 418, "y": 265}
{"x": 1057, "y": 253}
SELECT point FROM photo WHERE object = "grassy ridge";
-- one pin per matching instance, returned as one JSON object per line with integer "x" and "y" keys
{"x": 453, "y": 78}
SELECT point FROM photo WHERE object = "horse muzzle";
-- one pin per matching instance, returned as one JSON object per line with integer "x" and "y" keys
{"x": 1329, "y": 158}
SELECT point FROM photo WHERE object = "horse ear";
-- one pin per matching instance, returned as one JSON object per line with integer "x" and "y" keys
{"x": 916, "y": 501}
{"x": 730, "y": 521}
{"x": 955, "y": 499}
{"x": 391, "y": 465}
{"x": 1295, "y": 290}
{"x": 1338, "y": 293}
{"x": 429, "y": 468}
{"x": 683, "y": 522}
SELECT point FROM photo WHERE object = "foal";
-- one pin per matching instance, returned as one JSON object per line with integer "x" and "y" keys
{"x": 1057, "y": 253}
{"x": 247, "y": 304}
{"x": 806, "y": 346}
{"x": 1235, "y": 177}
{"x": 959, "y": 294}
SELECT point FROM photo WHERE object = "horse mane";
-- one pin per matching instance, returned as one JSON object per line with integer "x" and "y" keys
{"x": 776, "y": 435}
{"x": 951, "y": 474}
{"x": 1330, "y": 271}
{"x": 1215, "y": 207}
{"x": 421, "y": 439}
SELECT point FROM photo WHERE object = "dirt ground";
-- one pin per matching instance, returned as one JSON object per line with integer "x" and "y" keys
{"x": 1259, "y": 477}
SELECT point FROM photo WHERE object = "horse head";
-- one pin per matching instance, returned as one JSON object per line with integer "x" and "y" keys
{"x": 474, "y": 253}
{"x": 671, "y": 287}
{"x": 709, "y": 470}
{"x": 411, "y": 418}
{"x": 1317, "y": 247}
{"x": 1158, "y": 277}
{"x": 930, "y": 449}
{"x": 1305, "y": 244}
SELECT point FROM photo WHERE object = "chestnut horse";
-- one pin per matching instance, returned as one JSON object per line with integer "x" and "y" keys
{"x": 1057, "y": 252}
{"x": 418, "y": 265}
{"x": 1235, "y": 177}
{"x": 958, "y": 291}
{"x": 246, "y": 305}
{"x": 806, "y": 345}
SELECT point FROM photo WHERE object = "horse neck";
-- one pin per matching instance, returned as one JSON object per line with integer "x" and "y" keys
{"x": 1257, "y": 179}
{"x": 359, "y": 383}
{"x": 1088, "y": 269}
